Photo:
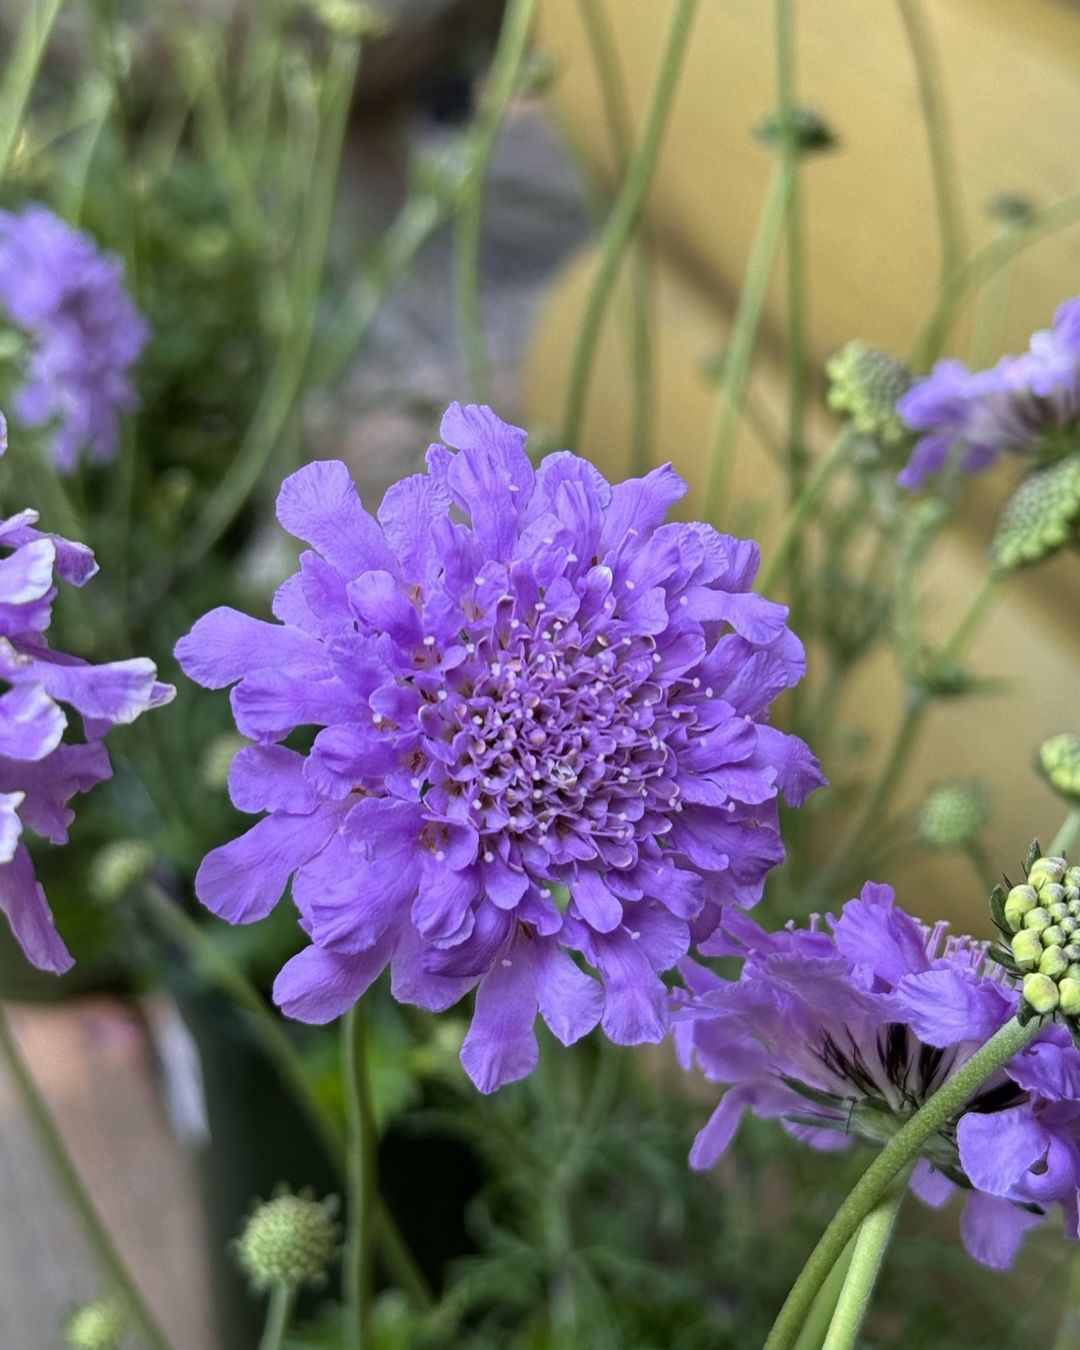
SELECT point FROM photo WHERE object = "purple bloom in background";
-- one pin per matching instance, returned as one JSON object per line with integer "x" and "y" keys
{"x": 542, "y": 733}
{"x": 842, "y": 1032}
{"x": 40, "y": 770}
{"x": 1010, "y": 407}
{"x": 85, "y": 333}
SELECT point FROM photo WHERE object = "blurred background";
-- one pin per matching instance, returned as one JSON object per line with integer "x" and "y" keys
{"x": 141, "y": 127}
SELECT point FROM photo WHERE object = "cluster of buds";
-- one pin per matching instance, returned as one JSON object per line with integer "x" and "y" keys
{"x": 1041, "y": 920}
{"x": 1041, "y": 517}
{"x": 290, "y": 1240}
{"x": 865, "y": 384}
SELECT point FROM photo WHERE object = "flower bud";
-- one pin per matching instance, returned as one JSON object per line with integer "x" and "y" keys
{"x": 1069, "y": 992}
{"x": 1044, "y": 871}
{"x": 1073, "y": 972}
{"x": 1027, "y": 948}
{"x": 1059, "y": 763}
{"x": 1019, "y": 902}
{"x": 1068, "y": 925}
{"x": 1040, "y": 517}
{"x": 865, "y": 383}
{"x": 289, "y": 1240}
{"x": 1057, "y": 909}
{"x": 117, "y": 867}
{"x": 1053, "y": 936}
{"x": 1053, "y": 962}
{"x": 1037, "y": 919}
{"x": 97, "y": 1326}
{"x": 1040, "y": 993}
{"x": 1072, "y": 875}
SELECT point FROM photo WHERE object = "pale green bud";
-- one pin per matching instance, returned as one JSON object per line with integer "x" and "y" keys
{"x": 1054, "y": 936}
{"x": 1059, "y": 763}
{"x": 865, "y": 383}
{"x": 1041, "y": 993}
{"x": 1037, "y": 918}
{"x": 117, "y": 867}
{"x": 216, "y": 762}
{"x": 289, "y": 1240}
{"x": 1072, "y": 877}
{"x": 1021, "y": 900}
{"x": 1053, "y": 962}
{"x": 1051, "y": 895}
{"x": 1068, "y": 925}
{"x": 1069, "y": 990}
{"x": 1074, "y": 968}
{"x": 954, "y": 813}
{"x": 1046, "y": 870}
{"x": 1027, "y": 948}
{"x": 97, "y": 1326}
{"x": 1058, "y": 910}
{"x": 1040, "y": 517}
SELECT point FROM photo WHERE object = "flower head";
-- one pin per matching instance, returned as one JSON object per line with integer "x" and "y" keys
{"x": 40, "y": 767}
{"x": 865, "y": 383}
{"x": 289, "y": 1240}
{"x": 541, "y": 733}
{"x": 953, "y": 813}
{"x": 844, "y": 1029}
{"x": 1023, "y": 405}
{"x": 1059, "y": 761}
{"x": 1041, "y": 517}
{"x": 85, "y": 333}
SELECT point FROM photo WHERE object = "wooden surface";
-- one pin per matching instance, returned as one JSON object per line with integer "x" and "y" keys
{"x": 92, "y": 1060}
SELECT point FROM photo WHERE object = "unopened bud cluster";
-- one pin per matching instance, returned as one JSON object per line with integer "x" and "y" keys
{"x": 865, "y": 383}
{"x": 290, "y": 1240}
{"x": 97, "y": 1326}
{"x": 1043, "y": 916}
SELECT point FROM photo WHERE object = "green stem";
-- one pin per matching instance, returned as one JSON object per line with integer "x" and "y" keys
{"x": 796, "y": 290}
{"x": 361, "y": 1180}
{"x": 21, "y": 70}
{"x": 282, "y": 1053}
{"x": 1068, "y": 1337}
{"x": 617, "y": 118}
{"x": 278, "y": 1312}
{"x": 1068, "y": 834}
{"x": 624, "y": 215}
{"x": 503, "y": 79}
{"x": 736, "y": 373}
{"x": 76, "y": 1194}
{"x": 816, "y": 1326}
{"x": 981, "y": 864}
{"x": 900, "y": 1152}
{"x": 943, "y": 168}
{"x": 875, "y": 1233}
{"x": 801, "y": 508}
{"x": 971, "y": 620}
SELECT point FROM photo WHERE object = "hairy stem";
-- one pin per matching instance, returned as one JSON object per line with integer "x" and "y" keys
{"x": 278, "y": 1312}
{"x": 875, "y": 1233}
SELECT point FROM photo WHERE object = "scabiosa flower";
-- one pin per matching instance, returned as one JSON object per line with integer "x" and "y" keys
{"x": 40, "y": 770}
{"x": 844, "y": 1029}
{"x": 85, "y": 334}
{"x": 1019, "y": 405}
{"x": 541, "y": 732}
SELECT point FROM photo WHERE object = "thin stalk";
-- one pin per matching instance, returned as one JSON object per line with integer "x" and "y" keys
{"x": 796, "y": 287}
{"x": 75, "y": 1193}
{"x": 21, "y": 70}
{"x": 1068, "y": 834}
{"x": 736, "y": 373}
{"x": 612, "y": 85}
{"x": 624, "y": 215}
{"x": 976, "y": 854}
{"x": 505, "y": 72}
{"x": 278, "y": 1313}
{"x": 361, "y": 1180}
{"x": 803, "y": 505}
{"x": 991, "y": 308}
{"x": 900, "y": 1152}
{"x": 875, "y": 1234}
{"x": 816, "y": 1326}
{"x": 943, "y": 169}
{"x": 972, "y": 619}
{"x": 282, "y": 1053}
{"x": 980, "y": 267}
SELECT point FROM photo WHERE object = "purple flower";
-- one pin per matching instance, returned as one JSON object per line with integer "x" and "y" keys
{"x": 1013, "y": 406}
{"x": 842, "y": 1031}
{"x": 84, "y": 331}
{"x": 541, "y": 733}
{"x": 40, "y": 770}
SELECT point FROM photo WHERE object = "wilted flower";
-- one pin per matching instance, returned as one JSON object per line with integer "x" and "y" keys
{"x": 563, "y": 692}
{"x": 39, "y": 770}
{"x": 1021, "y": 405}
{"x": 843, "y": 1030}
{"x": 85, "y": 334}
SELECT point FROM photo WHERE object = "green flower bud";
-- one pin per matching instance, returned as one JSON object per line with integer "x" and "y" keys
{"x": 1040, "y": 993}
{"x": 289, "y": 1240}
{"x": 865, "y": 383}
{"x": 1053, "y": 962}
{"x": 1053, "y": 936}
{"x": 1069, "y": 991}
{"x": 97, "y": 1326}
{"x": 117, "y": 867}
{"x": 216, "y": 762}
{"x": 1059, "y": 910}
{"x": 954, "y": 813}
{"x": 1046, "y": 871}
{"x": 810, "y": 132}
{"x": 1059, "y": 763}
{"x": 1021, "y": 900}
{"x": 1068, "y": 925}
{"x": 1074, "y": 964}
{"x": 1027, "y": 948}
{"x": 1072, "y": 875}
{"x": 1037, "y": 918}
{"x": 1040, "y": 517}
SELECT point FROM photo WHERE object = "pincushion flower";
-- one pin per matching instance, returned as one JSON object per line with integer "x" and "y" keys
{"x": 541, "y": 736}
{"x": 40, "y": 768}
{"x": 1024, "y": 405}
{"x": 842, "y": 1031}
{"x": 84, "y": 331}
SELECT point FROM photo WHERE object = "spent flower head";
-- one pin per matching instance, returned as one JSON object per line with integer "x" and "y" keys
{"x": 289, "y": 1240}
{"x": 843, "y": 1030}
{"x": 42, "y": 762}
{"x": 84, "y": 333}
{"x": 1027, "y": 405}
{"x": 522, "y": 680}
